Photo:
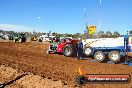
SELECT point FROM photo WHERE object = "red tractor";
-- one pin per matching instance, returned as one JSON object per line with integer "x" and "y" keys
{"x": 66, "y": 47}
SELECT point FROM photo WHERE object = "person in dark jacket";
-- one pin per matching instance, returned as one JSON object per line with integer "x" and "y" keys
{"x": 80, "y": 50}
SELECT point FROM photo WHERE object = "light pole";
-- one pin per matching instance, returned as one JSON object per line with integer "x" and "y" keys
{"x": 87, "y": 31}
{"x": 85, "y": 17}
{"x": 100, "y": 14}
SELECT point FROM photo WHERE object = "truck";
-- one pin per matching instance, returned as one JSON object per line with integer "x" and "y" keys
{"x": 113, "y": 48}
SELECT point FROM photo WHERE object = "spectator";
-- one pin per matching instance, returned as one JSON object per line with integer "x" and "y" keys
{"x": 80, "y": 50}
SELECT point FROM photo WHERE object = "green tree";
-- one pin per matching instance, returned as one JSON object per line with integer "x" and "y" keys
{"x": 108, "y": 34}
{"x": 77, "y": 35}
{"x": 101, "y": 34}
{"x": 116, "y": 34}
{"x": 69, "y": 35}
{"x": 54, "y": 34}
{"x": 43, "y": 33}
{"x": 130, "y": 32}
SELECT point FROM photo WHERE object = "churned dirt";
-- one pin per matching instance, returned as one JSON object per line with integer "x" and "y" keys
{"x": 14, "y": 78}
{"x": 50, "y": 70}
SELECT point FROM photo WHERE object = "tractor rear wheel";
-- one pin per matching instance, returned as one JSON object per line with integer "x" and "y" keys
{"x": 99, "y": 56}
{"x": 114, "y": 56}
{"x": 68, "y": 50}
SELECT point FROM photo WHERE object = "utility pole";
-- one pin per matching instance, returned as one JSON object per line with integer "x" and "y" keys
{"x": 87, "y": 32}
{"x": 100, "y": 9}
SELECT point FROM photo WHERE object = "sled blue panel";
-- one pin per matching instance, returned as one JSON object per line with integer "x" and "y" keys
{"x": 109, "y": 49}
{"x": 119, "y": 48}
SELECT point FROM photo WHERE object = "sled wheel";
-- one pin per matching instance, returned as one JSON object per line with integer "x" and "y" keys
{"x": 88, "y": 51}
{"x": 99, "y": 56}
{"x": 114, "y": 56}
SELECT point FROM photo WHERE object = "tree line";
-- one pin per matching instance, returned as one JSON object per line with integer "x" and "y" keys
{"x": 100, "y": 34}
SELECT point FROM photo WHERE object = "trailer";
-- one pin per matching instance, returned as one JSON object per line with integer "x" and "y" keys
{"x": 113, "y": 48}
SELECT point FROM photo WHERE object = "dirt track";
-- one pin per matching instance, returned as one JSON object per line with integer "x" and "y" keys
{"x": 32, "y": 57}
